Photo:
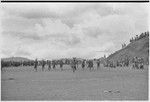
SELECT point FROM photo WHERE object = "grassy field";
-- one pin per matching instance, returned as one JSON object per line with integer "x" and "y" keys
{"x": 22, "y": 83}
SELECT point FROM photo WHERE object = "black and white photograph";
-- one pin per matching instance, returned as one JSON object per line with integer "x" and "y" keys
{"x": 73, "y": 51}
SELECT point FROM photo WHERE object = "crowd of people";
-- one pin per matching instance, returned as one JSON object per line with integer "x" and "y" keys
{"x": 138, "y": 37}
{"x": 74, "y": 63}
{"x": 138, "y": 63}
{"x": 135, "y": 63}
{"x": 16, "y": 63}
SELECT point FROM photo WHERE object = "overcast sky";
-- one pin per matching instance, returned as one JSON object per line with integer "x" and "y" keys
{"x": 59, "y": 30}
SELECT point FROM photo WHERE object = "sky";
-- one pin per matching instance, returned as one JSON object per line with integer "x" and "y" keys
{"x": 66, "y": 30}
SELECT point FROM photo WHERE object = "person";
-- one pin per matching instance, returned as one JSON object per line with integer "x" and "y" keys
{"x": 83, "y": 64}
{"x": 117, "y": 63}
{"x": 74, "y": 64}
{"x": 43, "y": 65}
{"x": 61, "y": 65}
{"x": 141, "y": 63}
{"x": 54, "y": 64}
{"x": 35, "y": 64}
{"x": 49, "y": 65}
{"x": 98, "y": 64}
{"x": 90, "y": 64}
{"x": 77, "y": 63}
{"x": 127, "y": 62}
{"x": 135, "y": 63}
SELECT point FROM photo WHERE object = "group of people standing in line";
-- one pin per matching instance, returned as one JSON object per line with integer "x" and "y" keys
{"x": 138, "y": 37}
{"x": 74, "y": 64}
{"x": 135, "y": 63}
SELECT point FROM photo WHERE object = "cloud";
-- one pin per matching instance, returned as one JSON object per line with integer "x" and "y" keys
{"x": 54, "y": 10}
{"x": 67, "y": 30}
{"x": 22, "y": 53}
{"x": 21, "y": 35}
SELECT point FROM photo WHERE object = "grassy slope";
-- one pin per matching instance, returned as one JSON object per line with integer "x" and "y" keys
{"x": 138, "y": 48}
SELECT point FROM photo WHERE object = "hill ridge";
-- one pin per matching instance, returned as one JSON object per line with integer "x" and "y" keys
{"x": 17, "y": 59}
{"x": 139, "y": 48}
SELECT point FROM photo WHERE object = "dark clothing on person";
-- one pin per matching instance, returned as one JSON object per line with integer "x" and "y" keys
{"x": 98, "y": 64}
{"x": 83, "y": 64}
{"x": 54, "y": 64}
{"x": 43, "y": 65}
{"x": 61, "y": 65}
{"x": 35, "y": 65}
{"x": 49, "y": 65}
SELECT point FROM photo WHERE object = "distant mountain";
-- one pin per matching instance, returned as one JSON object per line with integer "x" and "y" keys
{"x": 139, "y": 48}
{"x": 17, "y": 59}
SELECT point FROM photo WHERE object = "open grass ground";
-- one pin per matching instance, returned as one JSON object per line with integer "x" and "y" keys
{"x": 22, "y": 83}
